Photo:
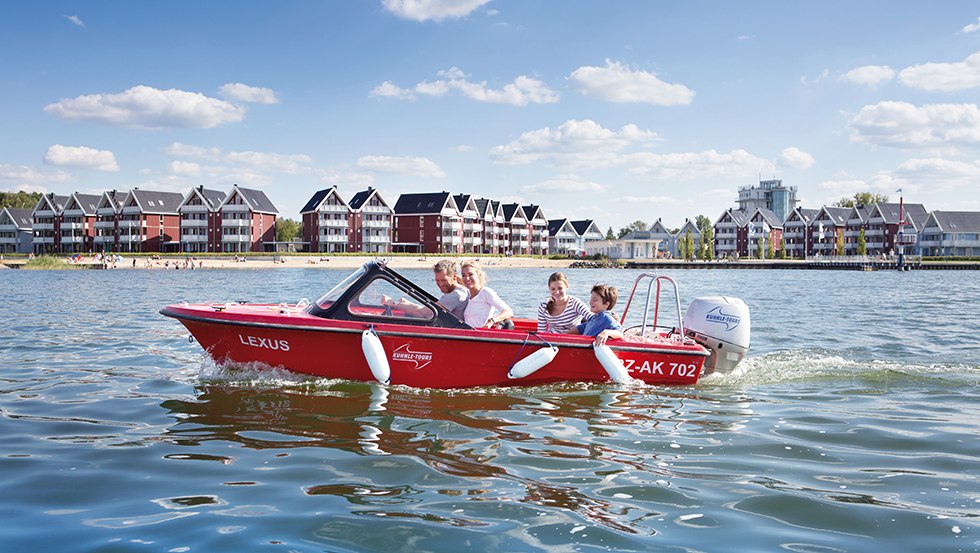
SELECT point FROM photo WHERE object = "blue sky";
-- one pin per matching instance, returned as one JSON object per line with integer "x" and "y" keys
{"x": 613, "y": 111}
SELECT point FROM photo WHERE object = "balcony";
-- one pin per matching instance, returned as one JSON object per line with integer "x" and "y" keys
{"x": 43, "y": 240}
{"x": 194, "y": 209}
{"x": 375, "y": 209}
{"x": 333, "y": 223}
{"x": 376, "y": 239}
{"x": 193, "y": 223}
{"x": 376, "y": 224}
{"x": 331, "y": 208}
{"x": 334, "y": 238}
{"x": 105, "y": 224}
{"x": 235, "y": 208}
{"x": 236, "y": 238}
{"x": 235, "y": 223}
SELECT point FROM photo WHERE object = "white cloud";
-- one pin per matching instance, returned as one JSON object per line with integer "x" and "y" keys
{"x": 417, "y": 166}
{"x": 654, "y": 200}
{"x": 565, "y": 184}
{"x": 574, "y": 143}
{"x": 292, "y": 164}
{"x": 901, "y": 124}
{"x": 243, "y": 93}
{"x": 332, "y": 177}
{"x": 147, "y": 107}
{"x": 847, "y": 187}
{"x": 971, "y": 28}
{"x": 25, "y": 176}
{"x": 943, "y": 77}
{"x": 694, "y": 165}
{"x": 185, "y": 168}
{"x": 869, "y": 75}
{"x": 940, "y": 174}
{"x": 462, "y": 148}
{"x": 388, "y": 89}
{"x": 823, "y": 76}
{"x": 81, "y": 157}
{"x": 795, "y": 158}
{"x": 436, "y": 10}
{"x": 77, "y": 21}
{"x": 523, "y": 91}
{"x": 618, "y": 83}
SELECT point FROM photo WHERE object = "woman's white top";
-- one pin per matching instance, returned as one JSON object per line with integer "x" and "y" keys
{"x": 482, "y": 306}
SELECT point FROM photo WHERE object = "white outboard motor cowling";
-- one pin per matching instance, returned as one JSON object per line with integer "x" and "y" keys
{"x": 721, "y": 325}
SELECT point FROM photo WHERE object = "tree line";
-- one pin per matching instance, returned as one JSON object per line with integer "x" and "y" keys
{"x": 19, "y": 200}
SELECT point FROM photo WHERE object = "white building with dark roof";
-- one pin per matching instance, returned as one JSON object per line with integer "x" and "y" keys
{"x": 15, "y": 230}
{"x": 952, "y": 233}
{"x": 248, "y": 221}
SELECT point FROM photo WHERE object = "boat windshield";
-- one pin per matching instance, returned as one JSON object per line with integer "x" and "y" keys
{"x": 330, "y": 297}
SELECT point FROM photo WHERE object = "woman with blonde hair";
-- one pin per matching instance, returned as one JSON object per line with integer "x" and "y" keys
{"x": 561, "y": 311}
{"x": 484, "y": 309}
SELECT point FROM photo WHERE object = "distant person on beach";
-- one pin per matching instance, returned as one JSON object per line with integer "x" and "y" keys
{"x": 603, "y": 325}
{"x": 561, "y": 311}
{"x": 484, "y": 309}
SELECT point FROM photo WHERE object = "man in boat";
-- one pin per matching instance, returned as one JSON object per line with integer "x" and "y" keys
{"x": 454, "y": 295}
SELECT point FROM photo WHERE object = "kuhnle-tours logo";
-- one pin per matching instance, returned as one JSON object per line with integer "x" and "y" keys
{"x": 419, "y": 358}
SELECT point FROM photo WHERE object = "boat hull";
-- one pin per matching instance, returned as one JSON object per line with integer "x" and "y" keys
{"x": 419, "y": 357}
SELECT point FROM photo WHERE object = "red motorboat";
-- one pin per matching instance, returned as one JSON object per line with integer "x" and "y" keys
{"x": 350, "y": 333}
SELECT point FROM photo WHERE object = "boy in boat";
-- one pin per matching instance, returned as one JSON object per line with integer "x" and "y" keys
{"x": 603, "y": 325}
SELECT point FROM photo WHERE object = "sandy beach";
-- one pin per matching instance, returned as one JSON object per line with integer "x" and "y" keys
{"x": 346, "y": 262}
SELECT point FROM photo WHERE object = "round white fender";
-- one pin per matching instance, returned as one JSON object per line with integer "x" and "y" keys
{"x": 533, "y": 362}
{"x": 374, "y": 353}
{"x": 612, "y": 364}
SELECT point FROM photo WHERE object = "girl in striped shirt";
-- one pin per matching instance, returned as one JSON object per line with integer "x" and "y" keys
{"x": 561, "y": 311}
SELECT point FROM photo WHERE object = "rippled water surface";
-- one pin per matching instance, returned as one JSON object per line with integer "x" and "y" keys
{"x": 854, "y": 425}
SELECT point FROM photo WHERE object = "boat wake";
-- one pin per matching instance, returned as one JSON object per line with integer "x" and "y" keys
{"x": 823, "y": 364}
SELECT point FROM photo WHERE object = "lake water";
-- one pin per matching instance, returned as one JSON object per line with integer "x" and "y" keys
{"x": 854, "y": 425}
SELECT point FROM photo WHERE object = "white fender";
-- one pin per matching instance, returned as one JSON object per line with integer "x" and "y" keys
{"x": 612, "y": 364}
{"x": 532, "y": 362}
{"x": 374, "y": 353}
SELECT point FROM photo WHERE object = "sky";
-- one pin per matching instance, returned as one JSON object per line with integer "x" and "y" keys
{"x": 611, "y": 111}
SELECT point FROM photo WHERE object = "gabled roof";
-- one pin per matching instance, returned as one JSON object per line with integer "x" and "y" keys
{"x": 836, "y": 214}
{"x": 52, "y": 202}
{"x": 557, "y": 225}
{"x": 465, "y": 202}
{"x": 860, "y": 212}
{"x": 150, "y": 201}
{"x": 511, "y": 211}
{"x": 314, "y": 202}
{"x": 889, "y": 212}
{"x": 767, "y": 216}
{"x": 111, "y": 199}
{"x": 484, "y": 208}
{"x": 658, "y": 227}
{"x": 211, "y": 198}
{"x": 430, "y": 203}
{"x": 532, "y": 212}
{"x": 582, "y": 227}
{"x": 955, "y": 221}
{"x": 689, "y": 225}
{"x": 739, "y": 217}
{"x": 256, "y": 200}
{"x": 19, "y": 217}
{"x": 803, "y": 215}
{"x": 363, "y": 197}
{"x": 86, "y": 203}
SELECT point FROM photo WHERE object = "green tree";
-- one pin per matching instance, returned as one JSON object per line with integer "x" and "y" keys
{"x": 610, "y": 235}
{"x": 635, "y": 225}
{"x": 21, "y": 199}
{"x": 758, "y": 250}
{"x": 689, "y": 243}
{"x": 862, "y": 243}
{"x": 839, "y": 246}
{"x": 682, "y": 246}
{"x": 861, "y": 198}
{"x": 707, "y": 237}
{"x": 287, "y": 230}
{"x": 782, "y": 248}
{"x": 770, "y": 249}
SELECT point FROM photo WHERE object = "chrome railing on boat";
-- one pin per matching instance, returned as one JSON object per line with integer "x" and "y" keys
{"x": 654, "y": 279}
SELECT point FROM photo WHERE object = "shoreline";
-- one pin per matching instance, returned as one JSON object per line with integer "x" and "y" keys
{"x": 265, "y": 261}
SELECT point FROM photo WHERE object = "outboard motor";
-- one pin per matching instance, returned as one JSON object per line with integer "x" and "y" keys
{"x": 721, "y": 325}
